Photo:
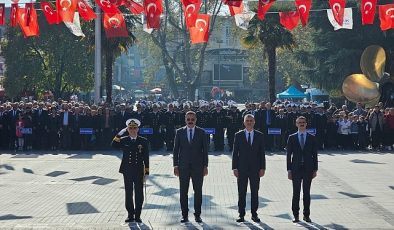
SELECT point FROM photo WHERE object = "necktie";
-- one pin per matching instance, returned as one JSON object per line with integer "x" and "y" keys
{"x": 302, "y": 141}
{"x": 249, "y": 140}
{"x": 191, "y": 135}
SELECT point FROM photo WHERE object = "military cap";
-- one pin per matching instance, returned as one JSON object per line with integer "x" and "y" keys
{"x": 133, "y": 123}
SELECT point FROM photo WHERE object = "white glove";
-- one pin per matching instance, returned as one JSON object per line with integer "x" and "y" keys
{"x": 121, "y": 132}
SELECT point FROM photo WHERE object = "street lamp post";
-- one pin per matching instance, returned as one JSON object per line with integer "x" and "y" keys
{"x": 219, "y": 42}
{"x": 97, "y": 56}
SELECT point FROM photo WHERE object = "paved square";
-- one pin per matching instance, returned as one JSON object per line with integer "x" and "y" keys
{"x": 83, "y": 190}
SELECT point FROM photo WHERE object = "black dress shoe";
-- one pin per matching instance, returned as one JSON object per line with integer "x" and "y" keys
{"x": 198, "y": 219}
{"x": 240, "y": 219}
{"x": 256, "y": 219}
{"x": 129, "y": 219}
{"x": 138, "y": 220}
{"x": 296, "y": 220}
{"x": 307, "y": 219}
{"x": 184, "y": 220}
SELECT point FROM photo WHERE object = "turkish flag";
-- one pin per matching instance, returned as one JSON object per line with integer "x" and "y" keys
{"x": 263, "y": 7}
{"x": 153, "y": 10}
{"x": 117, "y": 2}
{"x": 115, "y": 25}
{"x": 191, "y": 12}
{"x": 236, "y": 10}
{"x": 32, "y": 29}
{"x": 303, "y": 7}
{"x": 188, "y": 2}
{"x": 200, "y": 32}
{"x": 51, "y": 15}
{"x": 66, "y": 9}
{"x": 386, "y": 14}
{"x": 236, "y": 3}
{"x": 289, "y": 19}
{"x": 134, "y": 7}
{"x": 2, "y": 11}
{"x": 338, "y": 10}
{"x": 108, "y": 7}
{"x": 28, "y": 9}
{"x": 14, "y": 14}
{"x": 368, "y": 10}
{"x": 85, "y": 11}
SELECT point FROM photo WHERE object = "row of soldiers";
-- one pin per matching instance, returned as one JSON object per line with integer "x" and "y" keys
{"x": 59, "y": 125}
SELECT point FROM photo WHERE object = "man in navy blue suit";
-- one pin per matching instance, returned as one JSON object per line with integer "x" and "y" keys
{"x": 301, "y": 167}
{"x": 248, "y": 164}
{"x": 190, "y": 162}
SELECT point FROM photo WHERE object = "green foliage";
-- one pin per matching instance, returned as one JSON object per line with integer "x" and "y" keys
{"x": 56, "y": 61}
{"x": 334, "y": 55}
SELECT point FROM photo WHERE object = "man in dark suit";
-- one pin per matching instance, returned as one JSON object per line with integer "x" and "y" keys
{"x": 248, "y": 164}
{"x": 190, "y": 161}
{"x": 134, "y": 167}
{"x": 301, "y": 166}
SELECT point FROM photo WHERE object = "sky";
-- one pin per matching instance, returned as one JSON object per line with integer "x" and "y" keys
{"x": 8, "y": 2}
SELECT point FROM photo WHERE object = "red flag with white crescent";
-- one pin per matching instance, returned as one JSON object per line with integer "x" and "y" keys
{"x": 338, "y": 10}
{"x": 236, "y": 10}
{"x": 263, "y": 7}
{"x": 153, "y": 10}
{"x": 85, "y": 11}
{"x": 28, "y": 9}
{"x": 134, "y": 7}
{"x": 289, "y": 19}
{"x": 108, "y": 7}
{"x": 2, "y": 13}
{"x": 14, "y": 14}
{"x": 303, "y": 8}
{"x": 191, "y": 12}
{"x": 115, "y": 25}
{"x": 368, "y": 10}
{"x": 235, "y": 3}
{"x": 386, "y": 15}
{"x": 32, "y": 29}
{"x": 66, "y": 9}
{"x": 200, "y": 32}
{"x": 50, "y": 14}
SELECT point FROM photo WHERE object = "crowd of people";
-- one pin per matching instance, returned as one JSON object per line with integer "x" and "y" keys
{"x": 76, "y": 125}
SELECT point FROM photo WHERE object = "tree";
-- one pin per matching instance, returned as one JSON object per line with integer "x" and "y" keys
{"x": 336, "y": 54}
{"x": 43, "y": 63}
{"x": 271, "y": 36}
{"x": 182, "y": 61}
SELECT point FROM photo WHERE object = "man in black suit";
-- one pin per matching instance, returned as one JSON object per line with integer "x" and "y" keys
{"x": 301, "y": 166}
{"x": 134, "y": 167}
{"x": 190, "y": 161}
{"x": 248, "y": 164}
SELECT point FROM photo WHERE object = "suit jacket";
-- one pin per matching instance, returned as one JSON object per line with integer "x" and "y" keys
{"x": 248, "y": 158}
{"x": 194, "y": 153}
{"x": 295, "y": 154}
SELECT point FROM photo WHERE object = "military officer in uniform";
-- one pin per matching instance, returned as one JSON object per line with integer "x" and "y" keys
{"x": 134, "y": 167}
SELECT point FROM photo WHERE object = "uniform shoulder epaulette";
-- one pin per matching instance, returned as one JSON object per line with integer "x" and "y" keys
{"x": 143, "y": 138}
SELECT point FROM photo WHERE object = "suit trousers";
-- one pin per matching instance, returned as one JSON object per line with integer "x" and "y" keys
{"x": 303, "y": 177}
{"x": 242, "y": 182}
{"x": 195, "y": 173}
{"x": 133, "y": 182}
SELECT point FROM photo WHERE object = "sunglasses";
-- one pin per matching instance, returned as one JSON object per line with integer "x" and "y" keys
{"x": 190, "y": 119}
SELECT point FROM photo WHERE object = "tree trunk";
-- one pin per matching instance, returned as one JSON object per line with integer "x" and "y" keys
{"x": 170, "y": 77}
{"x": 191, "y": 90}
{"x": 271, "y": 52}
{"x": 109, "y": 59}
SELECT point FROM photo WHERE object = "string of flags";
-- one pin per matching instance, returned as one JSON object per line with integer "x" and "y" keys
{"x": 70, "y": 11}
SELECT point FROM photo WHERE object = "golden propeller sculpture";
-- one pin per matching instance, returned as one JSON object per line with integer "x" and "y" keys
{"x": 364, "y": 87}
